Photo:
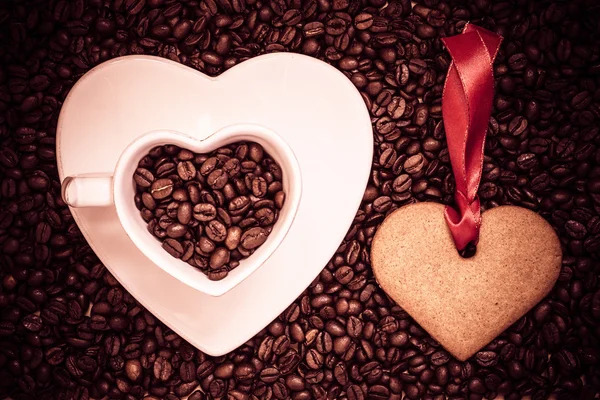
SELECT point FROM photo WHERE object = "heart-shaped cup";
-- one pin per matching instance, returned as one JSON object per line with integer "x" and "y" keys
{"x": 313, "y": 106}
{"x": 118, "y": 189}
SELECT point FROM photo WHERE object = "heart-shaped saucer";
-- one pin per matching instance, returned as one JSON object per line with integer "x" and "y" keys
{"x": 311, "y": 105}
{"x": 81, "y": 191}
{"x": 464, "y": 303}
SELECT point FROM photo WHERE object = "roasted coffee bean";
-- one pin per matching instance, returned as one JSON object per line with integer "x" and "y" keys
{"x": 186, "y": 170}
{"x": 173, "y": 247}
{"x": 184, "y": 213}
{"x": 133, "y": 370}
{"x": 269, "y": 375}
{"x": 32, "y": 323}
{"x": 253, "y": 238}
{"x": 143, "y": 177}
{"x": 217, "y": 179}
{"x": 414, "y": 164}
{"x": 517, "y": 126}
{"x": 224, "y": 371}
{"x": 259, "y": 187}
{"x": 517, "y": 61}
{"x": 363, "y": 21}
{"x": 216, "y": 231}
{"x": 187, "y": 371}
{"x": 355, "y": 392}
{"x": 234, "y": 235}
{"x": 176, "y": 230}
{"x": 204, "y": 212}
{"x": 239, "y": 205}
{"x": 244, "y": 372}
{"x": 219, "y": 258}
{"x": 55, "y": 356}
{"x": 162, "y": 369}
{"x": 161, "y": 188}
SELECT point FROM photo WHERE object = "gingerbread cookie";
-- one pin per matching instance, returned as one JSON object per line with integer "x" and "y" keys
{"x": 464, "y": 303}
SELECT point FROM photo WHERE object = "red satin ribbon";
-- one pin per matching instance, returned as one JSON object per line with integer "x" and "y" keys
{"x": 466, "y": 107}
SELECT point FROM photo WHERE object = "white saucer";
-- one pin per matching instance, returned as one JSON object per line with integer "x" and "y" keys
{"x": 314, "y": 107}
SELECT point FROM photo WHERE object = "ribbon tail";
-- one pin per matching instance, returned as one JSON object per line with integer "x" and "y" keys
{"x": 466, "y": 106}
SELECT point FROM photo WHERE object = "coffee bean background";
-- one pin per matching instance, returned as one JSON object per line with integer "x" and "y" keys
{"x": 210, "y": 210}
{"x": 342, "y": 338}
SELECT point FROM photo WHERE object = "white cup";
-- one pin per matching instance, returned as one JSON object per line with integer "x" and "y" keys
{"x": 117, "y": 189}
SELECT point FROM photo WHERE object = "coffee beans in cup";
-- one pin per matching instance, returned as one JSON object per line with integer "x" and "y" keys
{"x": 210, "y": 210}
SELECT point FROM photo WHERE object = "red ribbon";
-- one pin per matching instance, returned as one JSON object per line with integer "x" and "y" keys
{"x": 466, "y": 107}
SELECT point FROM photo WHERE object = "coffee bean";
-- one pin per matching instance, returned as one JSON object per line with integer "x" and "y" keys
{"x": 253, "y": 237}
{"x": 259, "y": 187}
{"x": 487, "y": 358}
{"x": 363, "y": 21}
{"x": 581, "y": 100}
{"x": 517, "y": 61}
{"x": 186, "y": 170}
{"x": 239, "y": 205}
{"x": 32, "y": 323}
{"x": 204, "y": 212}
{"x": 55, "y": 356}
{"x": 314, "y": 359}
{"x": 233, "y": 238}
{"x": 476, "y": 385}
{"x": 269, "y": 375}
{"x": 224, "y": 371}
{"x": 187, "y": 371}
{"x": 208, "y": 165}
{"x": 162, "y": 369}
{"x": 133, "y": 370}
{"x": 43, "y": 232}
{"x": 217, "y": 179}
{"x": 133, "y": 6}
{"x": 176, "y": 230}
{"x": 517, "y": 126}
{"x": 161, "y": 188}
{"x": 414, "y": 164}
{"x": 417, "y": 66}
{"x": 354, "y": 327}
{"x": 354, "y": 392}
{"x": 173, "y": 247}
{"x": 216, "y": 231}
{"x": 184, "y": 213}
{"x": 118, "y": 323}
{"x": 143, "y": 177}
{"x": 244, "y": 372}
{"x": 313, "y": 29}
{"x": 219, "y": 258}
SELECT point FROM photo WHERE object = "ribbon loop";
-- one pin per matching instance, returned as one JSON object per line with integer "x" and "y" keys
{"x": 466, "y": 108}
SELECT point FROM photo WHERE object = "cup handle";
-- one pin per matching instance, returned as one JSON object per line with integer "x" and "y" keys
{"x": 88, "y": 190}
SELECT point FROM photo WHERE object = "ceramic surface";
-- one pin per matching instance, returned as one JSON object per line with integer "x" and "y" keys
{"x": 119, "y": 190}
{"x": 311, "y": 105}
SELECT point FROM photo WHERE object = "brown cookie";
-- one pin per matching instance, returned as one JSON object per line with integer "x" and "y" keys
{"x": 464, "y": 303}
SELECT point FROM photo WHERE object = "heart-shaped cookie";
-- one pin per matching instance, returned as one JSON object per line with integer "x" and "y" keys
{"x": 464, "y": 303}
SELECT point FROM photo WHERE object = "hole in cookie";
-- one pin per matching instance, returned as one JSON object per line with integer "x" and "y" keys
{"x": 468, "y": 251}
{"x": 210, "y": 210}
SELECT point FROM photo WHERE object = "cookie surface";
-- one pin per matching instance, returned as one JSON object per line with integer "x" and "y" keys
{"x": 464, "y": 303}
